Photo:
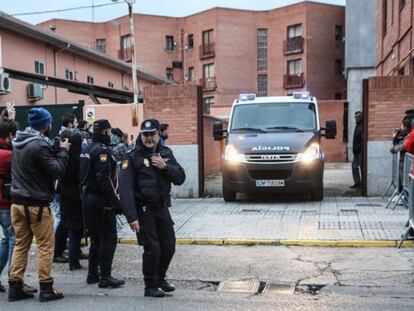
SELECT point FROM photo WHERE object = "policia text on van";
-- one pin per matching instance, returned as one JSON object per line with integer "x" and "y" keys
{"x": 273, "y": 145}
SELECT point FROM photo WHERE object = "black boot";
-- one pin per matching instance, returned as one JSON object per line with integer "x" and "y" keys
{"x": 16, "y": 291}
{"x": 2, "y": 288}
{"x": 29, "y": 289}
{"x": 93, "y": 274}
{"x": 154, "y": 292}
{"x": 110, "y": 282}
{"x": 166, "y": 286}
{"x": 48, "y": 293}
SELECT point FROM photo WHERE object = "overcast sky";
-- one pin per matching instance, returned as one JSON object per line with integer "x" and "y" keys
{"x": 157, "y": 7}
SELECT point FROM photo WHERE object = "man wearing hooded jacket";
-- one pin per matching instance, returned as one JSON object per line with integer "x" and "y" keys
{"x": 146, "y": 175}
{"x": 35, "y": 167}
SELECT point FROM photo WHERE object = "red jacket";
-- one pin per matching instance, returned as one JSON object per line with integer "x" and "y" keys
{"x": 409, "y": 147}
{"x": 5, "y": 170}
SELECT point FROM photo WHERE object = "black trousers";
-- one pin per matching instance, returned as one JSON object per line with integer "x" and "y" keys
{"x": 158, "y": 239}
{"x": 103, "y": 236}
{"x": 356, "y": 166}
{"x": 61, "y": 237}
{"x": 75, "y": 237}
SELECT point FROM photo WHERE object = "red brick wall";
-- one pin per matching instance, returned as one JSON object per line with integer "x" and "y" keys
{"x": 335, "y": 149}
{"x": 177, "y": 106}
{"x": 212, "y": 149}
{"x": 389, "y": 98}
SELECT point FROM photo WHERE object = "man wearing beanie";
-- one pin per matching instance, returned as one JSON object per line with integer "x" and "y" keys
{"x": 99, "y": 194}
{"x": 35, "y": 167}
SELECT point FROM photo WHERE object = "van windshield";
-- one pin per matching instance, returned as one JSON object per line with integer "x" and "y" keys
{"x": 272, "y": 117}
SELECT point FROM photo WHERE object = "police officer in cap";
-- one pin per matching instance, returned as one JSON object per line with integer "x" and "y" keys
{"x": 101, "y": 204}
{"x": 146, "y": 175}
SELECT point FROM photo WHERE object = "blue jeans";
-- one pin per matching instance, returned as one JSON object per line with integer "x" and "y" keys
{"x": 55, "y": 205}
{"x": 7, "y": 243}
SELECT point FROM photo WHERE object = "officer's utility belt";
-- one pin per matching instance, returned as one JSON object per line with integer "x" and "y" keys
{"x": 39, "y": 213}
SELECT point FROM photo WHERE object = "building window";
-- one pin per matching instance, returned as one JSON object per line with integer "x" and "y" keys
{"x": 294, "y": 31}
{"x": 69, "y": 74}
{"x": 262, "y": 85}
{"x": 339, "y": 67}
{"x": 39, "y": 67}
{"x": 338, "y": 96}
{"x": 294, "y": 67}
{"x": 208, "y": 71}
{"x": 191, "y": 74}
{"x": 261, "y": 49}
{"x": 208, "y": 37}
{"x": 90, "y": 79}
{"x": 110, "y": 84}
{"x": 125, "y": 42}
{"x": 384, "y": 17}
{"x": 401, "y": 71}
{"x": 169, "y": 43}
{"x": 190, "y": 41}
{"x": 208, "y": 101}
{"x": 101, "y": 45}
{"x": 338, "y": 33}
{"x": 169, "y": 74}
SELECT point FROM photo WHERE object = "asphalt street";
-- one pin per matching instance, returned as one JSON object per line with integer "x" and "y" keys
{"x": 322, "y": 278}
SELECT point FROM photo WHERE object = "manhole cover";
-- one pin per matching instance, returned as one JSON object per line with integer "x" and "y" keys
{"x": 284, "y": 289}
{"x": 239, "y": 287}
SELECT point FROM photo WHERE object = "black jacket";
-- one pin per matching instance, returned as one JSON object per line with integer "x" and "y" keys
{"x": 98, "y": 173}
{"x": 70, "y": 196}
{"x": 358, "y": 138}
{"x": 35, "y": 168}
{"x": 142, "y": 184}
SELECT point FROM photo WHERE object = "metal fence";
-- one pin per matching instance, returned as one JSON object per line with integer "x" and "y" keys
{"x": 410, "y": 222}
{"x": 395, "y": 179}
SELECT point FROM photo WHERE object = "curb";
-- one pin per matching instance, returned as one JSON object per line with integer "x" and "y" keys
{"x": 252, "y": 242}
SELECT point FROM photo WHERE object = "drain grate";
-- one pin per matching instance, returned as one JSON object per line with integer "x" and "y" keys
{"x": 369, "y": 204}
{"x": 283, "y": 289}
{"x": 239, "y": 287}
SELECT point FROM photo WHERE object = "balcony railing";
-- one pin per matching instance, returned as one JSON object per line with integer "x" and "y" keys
{"x": 207, "y": 51}
{"x": 208, "y": 84}
{"x": 293, "y": 81}
{"x": 293, "y": 45}
{"x": 125, "y": 54}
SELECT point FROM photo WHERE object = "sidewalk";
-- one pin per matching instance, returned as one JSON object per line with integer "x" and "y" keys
{"x": 336, "y": 221}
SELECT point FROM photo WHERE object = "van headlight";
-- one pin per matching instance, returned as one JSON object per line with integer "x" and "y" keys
{"x": 311, "y": 154}
{"x": 231, "y": 154}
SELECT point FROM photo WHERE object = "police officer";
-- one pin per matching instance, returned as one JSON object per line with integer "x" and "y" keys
{"x": 146, "y": 175}
{"x": 101, "y": 204}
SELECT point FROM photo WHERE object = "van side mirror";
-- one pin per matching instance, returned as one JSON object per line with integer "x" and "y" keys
{"x": 330, "y": 129}
{"x": 218, "y": 131}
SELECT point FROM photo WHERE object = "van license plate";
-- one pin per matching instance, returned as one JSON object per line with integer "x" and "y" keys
{"x": 270, "y": 183}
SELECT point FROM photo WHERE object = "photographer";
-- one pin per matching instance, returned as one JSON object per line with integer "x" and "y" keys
{"x": 35, "y": 167}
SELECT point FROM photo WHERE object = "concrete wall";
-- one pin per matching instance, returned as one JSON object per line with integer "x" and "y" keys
{"x": 379, "y": 167}
{"x": 355, "y": 77}
{"x": 360, "y": 39}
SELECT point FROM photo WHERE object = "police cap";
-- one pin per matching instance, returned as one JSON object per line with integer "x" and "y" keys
{"x": 100, "y": 125}
{"x": 150, "y": 125}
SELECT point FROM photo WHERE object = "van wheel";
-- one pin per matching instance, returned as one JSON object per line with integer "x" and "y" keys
{"x": 317, "y": 193}
{"x": 228, "y": 194}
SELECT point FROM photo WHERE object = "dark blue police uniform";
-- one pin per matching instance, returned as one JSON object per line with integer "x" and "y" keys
{"x": 101, "y": 204}
{"x": 145, "y": 196}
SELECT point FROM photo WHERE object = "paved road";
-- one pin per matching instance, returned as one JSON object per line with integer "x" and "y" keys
{"x": 335, "y": 218}
{"x": 324, "y": 278}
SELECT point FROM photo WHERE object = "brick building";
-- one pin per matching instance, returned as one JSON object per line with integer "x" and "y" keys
{"x": 395, "y": 37}
{"x": 229, "y": 51}
{"x": 80, "y": 71}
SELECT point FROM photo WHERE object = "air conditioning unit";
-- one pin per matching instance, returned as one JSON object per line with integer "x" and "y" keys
{"x": 5, "y": 83}
{"x": 34, "y": 91}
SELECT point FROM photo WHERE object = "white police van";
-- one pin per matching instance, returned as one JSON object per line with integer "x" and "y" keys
{"x": 273, "y": 146}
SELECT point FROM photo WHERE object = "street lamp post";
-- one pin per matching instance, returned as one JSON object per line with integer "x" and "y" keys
{"x": 134, "y": 105}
